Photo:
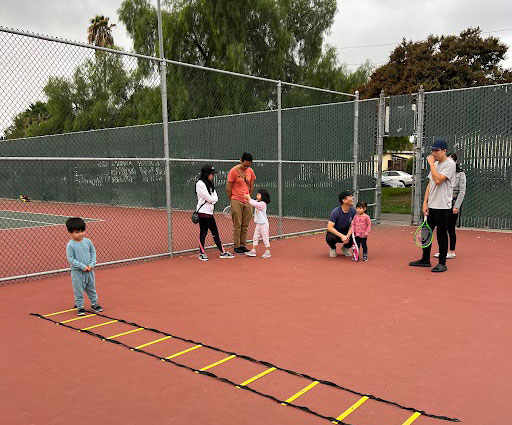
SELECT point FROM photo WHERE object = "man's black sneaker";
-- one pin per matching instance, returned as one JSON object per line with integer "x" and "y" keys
{"x": 440, "y": 268}
{"x": 80, "y": 312}
{"x": 239, "y": 250}
{"x": 244, "y": 249}
{"x": 420, "y": 263}
{"x": 96, "y": 308}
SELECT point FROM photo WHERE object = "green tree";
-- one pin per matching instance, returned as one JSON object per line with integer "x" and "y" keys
{"x": 278, "y": 40}
{"x": 29, "y": 121}
{"x": 99, "y": 33}
{"x": 397, "y": 144}
{"x": 441, "y": 63}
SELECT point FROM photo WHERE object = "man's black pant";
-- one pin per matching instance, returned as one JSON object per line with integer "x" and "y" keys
{"x": 438, "y": 218}
{"x": 332, "y": 239}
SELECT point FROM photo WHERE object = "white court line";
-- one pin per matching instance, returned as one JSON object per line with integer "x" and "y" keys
{"x": 30, "y": 227}
{"x": 31, "y": 221}
{"x": 54, "y": 215}
{"x": 45, "y": 223}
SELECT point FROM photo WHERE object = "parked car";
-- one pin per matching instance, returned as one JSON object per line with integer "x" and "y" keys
{"x": 400, "y": 176}
{"x": 389, "y": 182}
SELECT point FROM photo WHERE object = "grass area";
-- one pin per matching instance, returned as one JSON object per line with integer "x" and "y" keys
{"x": 396, "y": 200}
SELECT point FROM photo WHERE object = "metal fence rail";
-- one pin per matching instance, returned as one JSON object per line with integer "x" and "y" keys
{"x": 477, "y": 124}
{"x": 87, "y": 135}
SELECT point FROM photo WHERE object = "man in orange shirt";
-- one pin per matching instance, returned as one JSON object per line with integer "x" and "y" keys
{"x": 240, "y": 181}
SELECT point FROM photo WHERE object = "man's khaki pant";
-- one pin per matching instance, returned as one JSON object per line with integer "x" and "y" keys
{"x": 241, "y": 213}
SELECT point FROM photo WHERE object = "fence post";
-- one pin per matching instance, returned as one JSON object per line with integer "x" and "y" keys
{"x": 380, "y": 148}
{"x": 279, "y": 161}
{"x": 418, "y": 160}
{"x": 165, "y": 122}
{"x": 356, "y": 146}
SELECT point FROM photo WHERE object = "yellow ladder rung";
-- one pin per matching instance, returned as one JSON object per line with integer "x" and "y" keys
{"x": 153, "y": 342}
{"x": 258, "y": 376}
{"x": 98, "y": 325}
{"x": 124, "y": 333}
{"x": 414, "y": 416}
{"x": 77, "y": 318}
{"x": 352, "y": 408}
{"x": 217, "y": 363}
{"x": 301, "y": 392}
{"x": 59, "y": 312}
{"x": 172, "y": 356}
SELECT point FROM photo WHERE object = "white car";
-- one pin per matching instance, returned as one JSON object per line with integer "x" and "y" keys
{"x": 399, "y": 176}
{"x": 389, "y": 182}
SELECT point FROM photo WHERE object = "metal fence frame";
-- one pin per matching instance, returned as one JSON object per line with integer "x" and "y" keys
{"x": 420, "y": 166}
{"x": 168, "y": 159}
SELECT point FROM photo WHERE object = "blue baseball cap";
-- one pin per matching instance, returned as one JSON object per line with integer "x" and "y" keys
{"x": 439, "y": 144}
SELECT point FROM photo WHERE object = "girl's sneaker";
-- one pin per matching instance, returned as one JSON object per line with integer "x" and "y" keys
{"x": 227, "y": 255}
{"x": 266, "y": 254}
{"x": 81, "y": 312}
{"x": 449, "y": 255}
{"x": 203, "y": 257}
{"x": 251, "y": 253}
{"x": 365, "y": 258}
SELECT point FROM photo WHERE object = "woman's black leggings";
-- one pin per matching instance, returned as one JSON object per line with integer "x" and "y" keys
{"x": 452, "y": 221}
{"x": 206, "y": 223}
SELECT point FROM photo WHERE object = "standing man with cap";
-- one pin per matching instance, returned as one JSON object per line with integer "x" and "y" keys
{"x": 437, "y": 203}
{"x": 339, "y": 225}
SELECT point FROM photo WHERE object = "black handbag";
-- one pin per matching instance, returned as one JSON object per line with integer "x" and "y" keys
{"x": 195, "y": 215}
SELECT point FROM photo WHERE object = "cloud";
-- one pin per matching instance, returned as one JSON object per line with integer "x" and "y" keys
{"x": 369, "y": 22}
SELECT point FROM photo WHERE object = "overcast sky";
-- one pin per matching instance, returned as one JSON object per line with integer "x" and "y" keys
{"x": 358, "y": 22}
{"x": 25, "y": 68}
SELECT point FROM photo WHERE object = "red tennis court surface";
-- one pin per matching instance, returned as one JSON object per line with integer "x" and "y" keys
{"x": 436, "y": 342}
{"x": 121, "y": 233}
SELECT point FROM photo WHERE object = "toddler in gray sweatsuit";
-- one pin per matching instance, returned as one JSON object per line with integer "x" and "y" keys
{"x": 82, "y": 259}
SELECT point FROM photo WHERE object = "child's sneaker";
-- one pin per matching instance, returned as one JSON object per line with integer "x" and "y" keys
{"x": 451, "y": 255}
{"x": 203, "y": 257}
{"x": 251, "y": 253}
{"x": 227, "y": 255}
{"x": 332, "y": 253}
{"x": 436, "y": 255}
{"x": 96, "y": 308}
{"x": 365, "y": 258}
{"x": 81, "y": 312}
{"x": 266, "y": 254}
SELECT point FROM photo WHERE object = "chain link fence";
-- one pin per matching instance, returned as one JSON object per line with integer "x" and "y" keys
{"x": 82, "y": 135}
{"x": 477, "y": 125}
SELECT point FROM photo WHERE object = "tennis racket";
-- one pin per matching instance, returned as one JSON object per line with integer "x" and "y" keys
{"x": 423, "y": 235}
{"x": 355, "y": 249}
{"x": 227, "y": 212}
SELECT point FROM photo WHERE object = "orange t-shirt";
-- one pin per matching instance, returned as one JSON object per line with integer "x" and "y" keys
{"x": 240, "y": 182}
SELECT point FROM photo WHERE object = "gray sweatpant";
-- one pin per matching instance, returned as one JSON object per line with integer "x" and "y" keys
{"x": 83, "y": 282}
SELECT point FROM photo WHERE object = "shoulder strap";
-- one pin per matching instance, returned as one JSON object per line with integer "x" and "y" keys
{"x": 202, "y": 205}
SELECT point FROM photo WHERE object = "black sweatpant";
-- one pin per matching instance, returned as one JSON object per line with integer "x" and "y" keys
{"x": 362, "y": 241}
{"x": 452, "y": 222}
{"x": 332, "y": 239}
{"x": 438, "y": 218}
{"x": 205, "y": 223}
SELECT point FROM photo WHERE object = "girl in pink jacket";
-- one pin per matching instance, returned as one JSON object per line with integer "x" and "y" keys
{"x": 261, "y": 221}
{"x": 361, "y": 226}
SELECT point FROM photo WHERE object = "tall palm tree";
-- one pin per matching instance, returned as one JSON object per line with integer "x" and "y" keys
{"x": 100, "y": 32}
